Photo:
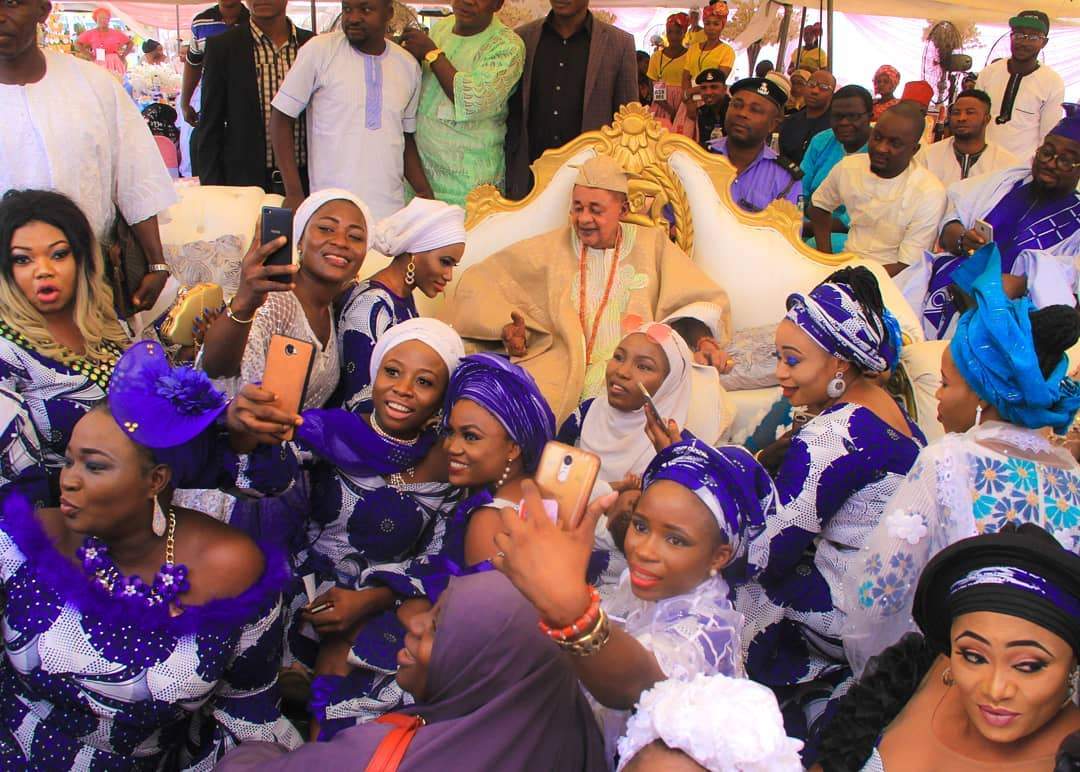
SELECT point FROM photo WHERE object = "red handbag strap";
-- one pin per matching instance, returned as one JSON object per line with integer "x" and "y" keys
{"x": 391, "y": 750}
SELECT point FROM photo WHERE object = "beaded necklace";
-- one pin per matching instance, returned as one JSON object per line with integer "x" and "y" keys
{"x": 387, "y": 436}
{"x": 590, "y": 341}
{"x": 169, "y": 582}
{"x": 98, "y": 372}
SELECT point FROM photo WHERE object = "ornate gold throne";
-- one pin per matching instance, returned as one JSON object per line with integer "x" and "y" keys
{"x": 758, "y": 258}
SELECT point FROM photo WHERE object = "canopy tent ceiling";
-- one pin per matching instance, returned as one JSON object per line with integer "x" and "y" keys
{"x": 986, "y": 11}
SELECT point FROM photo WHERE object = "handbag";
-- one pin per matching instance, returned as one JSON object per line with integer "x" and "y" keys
{"x": 189, "y": 304}
{"x": 391, "y": 750}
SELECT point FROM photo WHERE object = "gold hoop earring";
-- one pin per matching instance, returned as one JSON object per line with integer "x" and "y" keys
{"x": 947, "y": 677}
{"x": 410, "y": 273}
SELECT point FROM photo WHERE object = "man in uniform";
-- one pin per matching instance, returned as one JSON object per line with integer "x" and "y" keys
{"x": 761, "y": 177}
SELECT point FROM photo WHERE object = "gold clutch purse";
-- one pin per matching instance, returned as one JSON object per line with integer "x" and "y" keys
{"x": 189, "y": 305}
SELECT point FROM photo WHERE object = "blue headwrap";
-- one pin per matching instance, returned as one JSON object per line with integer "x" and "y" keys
{"x": 731, "y": 484}
{"x": 995, "y": 353}
{"x": 832, "y": 316}
{"x": 510, "y": 394}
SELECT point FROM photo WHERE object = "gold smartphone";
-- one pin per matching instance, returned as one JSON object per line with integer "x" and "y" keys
{"x": 567, "y": 475}
{"x": 288, "y": 367}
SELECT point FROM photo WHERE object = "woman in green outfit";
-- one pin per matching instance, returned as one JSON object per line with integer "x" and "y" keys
{"x": 472, "y": 62}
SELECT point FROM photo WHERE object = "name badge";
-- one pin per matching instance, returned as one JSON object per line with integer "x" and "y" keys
{"x": 659, "y": 91}
{"x": 99, "y": 54}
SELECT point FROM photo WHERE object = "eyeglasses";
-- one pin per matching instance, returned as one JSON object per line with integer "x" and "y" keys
{"x": 820, "y": 85}
{"x": 1032, "y": 37}
{"x": 1046, "y": 154}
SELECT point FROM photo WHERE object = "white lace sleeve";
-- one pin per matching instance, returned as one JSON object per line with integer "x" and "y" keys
{"x": 274, "y": 317}
{"x": 926, "y": 514}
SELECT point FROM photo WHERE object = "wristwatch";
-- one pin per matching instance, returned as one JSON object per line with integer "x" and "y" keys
{"x": 432, "y": 55}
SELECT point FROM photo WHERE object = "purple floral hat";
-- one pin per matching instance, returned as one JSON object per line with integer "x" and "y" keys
{"x": 157, "y": 405}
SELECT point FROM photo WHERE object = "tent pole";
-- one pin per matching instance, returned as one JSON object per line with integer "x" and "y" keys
{"x": 798, "y": 48}
{"x": 178, "y": 29}
{"x": 830, "y": 48}
{"x": 785, "y": 26}
{"x": 313, "y": 29}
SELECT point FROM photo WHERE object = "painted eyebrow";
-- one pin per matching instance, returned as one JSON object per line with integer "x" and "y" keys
{"x": 60, "y": 241}
{"x": 1035, "y": 644}
{"x": 969, "y": 634}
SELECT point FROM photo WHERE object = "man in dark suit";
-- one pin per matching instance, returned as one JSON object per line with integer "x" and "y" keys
{"x": 578, "y": 72}
{"x": 242, "y": 71}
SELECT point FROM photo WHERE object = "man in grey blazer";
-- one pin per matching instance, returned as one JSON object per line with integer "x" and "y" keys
{"x": 578, "y": 72}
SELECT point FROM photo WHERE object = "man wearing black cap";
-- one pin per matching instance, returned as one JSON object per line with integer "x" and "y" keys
{"x": 707, "y": 102}
{"x": 754, "y": 112}
{"x": 1026, "y": 95}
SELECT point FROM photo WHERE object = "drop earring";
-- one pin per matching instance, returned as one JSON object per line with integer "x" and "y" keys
{"x": 505, "y": 474}
{"x": 159, "y": 518}
{"x": 837, "y": 386}
{"x": 947, "y": 677}
{"x": 713, "y": 572}
{"x": 978, "y": 414}
{"x": 410, "y": 273}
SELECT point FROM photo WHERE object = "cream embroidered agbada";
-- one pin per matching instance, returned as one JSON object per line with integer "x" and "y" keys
{"x": 540, "y": 278}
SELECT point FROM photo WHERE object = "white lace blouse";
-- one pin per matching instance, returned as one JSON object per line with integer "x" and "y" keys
{"x": 962, "y": 485}
{"x": 689, "y": 634}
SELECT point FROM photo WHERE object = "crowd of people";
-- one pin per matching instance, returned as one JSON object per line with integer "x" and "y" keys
{"x": 195, "y": 575}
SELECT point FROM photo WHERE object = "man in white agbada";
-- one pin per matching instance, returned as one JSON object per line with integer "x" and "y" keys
{"x": 566, "y": 293}
{"x": 69, "y": 126}
{"x": 967, "y": 153}
{"x": 1027, "y": 95}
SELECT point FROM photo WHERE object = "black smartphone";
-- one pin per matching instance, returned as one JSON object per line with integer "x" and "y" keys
{"x": 277, "y": 222}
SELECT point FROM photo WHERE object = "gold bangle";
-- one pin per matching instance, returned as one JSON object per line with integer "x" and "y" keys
{"x": 229, "y": 313}
{"x": 591, "y": 642}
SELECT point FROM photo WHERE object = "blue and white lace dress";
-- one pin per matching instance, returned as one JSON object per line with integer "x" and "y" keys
{"x": 92, "y": 682}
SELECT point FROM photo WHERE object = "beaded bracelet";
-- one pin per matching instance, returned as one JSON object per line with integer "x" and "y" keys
{"x": 582, "y": 623}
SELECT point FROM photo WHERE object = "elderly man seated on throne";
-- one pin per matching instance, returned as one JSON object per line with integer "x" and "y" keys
{"x": 557, "y": 301}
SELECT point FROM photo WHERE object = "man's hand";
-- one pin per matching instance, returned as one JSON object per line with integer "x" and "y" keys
{"x": 417, "y": 43}
{"x": 971, "y": 241}
{"x": 191, "y": 118}
{"x": 149, "y": 289}
{"x": 515, "y": 335}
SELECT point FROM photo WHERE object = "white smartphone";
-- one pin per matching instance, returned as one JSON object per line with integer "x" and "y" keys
{"x": 985, "y": 230}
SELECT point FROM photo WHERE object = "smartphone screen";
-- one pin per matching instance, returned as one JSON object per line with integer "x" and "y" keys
{"x": 276, "y": 222}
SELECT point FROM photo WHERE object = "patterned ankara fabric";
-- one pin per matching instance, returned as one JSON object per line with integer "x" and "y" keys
{"x": 91, "y": 682}
{"x": 367, "y": 311}
{"x": 840, "y": 470}
{"x": 21, "y": 468}
{"x": 961, "y": 486}
{"x": 56, "y": 395}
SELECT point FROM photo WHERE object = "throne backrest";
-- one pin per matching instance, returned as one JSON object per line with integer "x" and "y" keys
{"x": 759, "y": 258}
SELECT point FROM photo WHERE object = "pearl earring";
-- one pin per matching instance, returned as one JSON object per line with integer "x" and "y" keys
{"x": 713, "y": 572}
{"x": 837, "y": 386}
{"x": 978, "y": 414}
{"x": 505, "y": 474}
{"x": 159, "y": 518}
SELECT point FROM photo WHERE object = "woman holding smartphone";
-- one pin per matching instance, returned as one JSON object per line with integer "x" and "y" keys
{"x": 379, "y": 509}
{"x": 689, "y": 543}
{"x": 652, "y": 359}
